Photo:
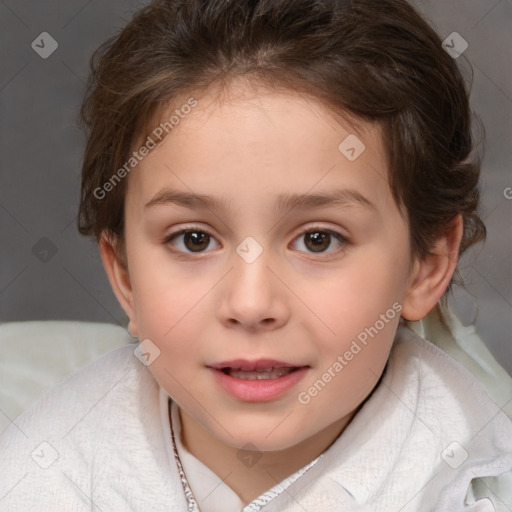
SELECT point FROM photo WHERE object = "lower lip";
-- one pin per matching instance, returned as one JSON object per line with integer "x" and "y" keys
{"x": 258, "y": 390}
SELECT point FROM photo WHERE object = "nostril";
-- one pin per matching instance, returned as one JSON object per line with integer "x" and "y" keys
{"x": 264, "y": 322}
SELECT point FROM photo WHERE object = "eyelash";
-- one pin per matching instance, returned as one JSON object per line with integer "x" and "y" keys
{"x": 314, "y": 229}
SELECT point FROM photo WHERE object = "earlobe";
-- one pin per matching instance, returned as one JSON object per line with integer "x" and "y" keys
{"x": 431, "y": 274}
{"x": 119, "y": 278}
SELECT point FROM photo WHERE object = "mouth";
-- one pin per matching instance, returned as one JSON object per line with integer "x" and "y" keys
{"x": 260, "y": 374}
{"x": 261, "y": 369}
{"x": 260, "y": 380}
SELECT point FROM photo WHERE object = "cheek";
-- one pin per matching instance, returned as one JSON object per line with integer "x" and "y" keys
{"x": 357, "y": 317}
{"x": 168, "y": 307}
{"x": 351, "y": 361}
{"x": 166, "y": 300}
{"x": 354, "y": 298}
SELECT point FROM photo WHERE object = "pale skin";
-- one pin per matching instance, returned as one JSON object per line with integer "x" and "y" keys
{"x": 292, "y": 303}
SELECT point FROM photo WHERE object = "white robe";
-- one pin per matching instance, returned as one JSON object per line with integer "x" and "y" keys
{"x": 428, "y": 439}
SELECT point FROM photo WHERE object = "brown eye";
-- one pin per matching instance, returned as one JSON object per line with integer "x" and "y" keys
{"x": 196, "y": 241}
{"x": 190, "y": 241}
{"x": 319, "y": 241}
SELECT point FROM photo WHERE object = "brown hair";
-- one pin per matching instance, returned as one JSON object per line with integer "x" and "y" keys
{"x": 377, "y": 60}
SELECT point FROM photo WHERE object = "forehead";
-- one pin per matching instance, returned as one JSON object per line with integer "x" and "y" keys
{"x": 260, "y": 141}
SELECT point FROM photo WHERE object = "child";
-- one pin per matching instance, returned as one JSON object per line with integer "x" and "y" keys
{"x": 276, "y": 187}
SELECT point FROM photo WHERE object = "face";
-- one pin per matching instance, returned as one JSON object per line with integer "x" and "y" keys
{"x": 268, "y": 264}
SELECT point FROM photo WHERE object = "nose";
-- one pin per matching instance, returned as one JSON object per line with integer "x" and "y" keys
{"x": 252, "y": 296}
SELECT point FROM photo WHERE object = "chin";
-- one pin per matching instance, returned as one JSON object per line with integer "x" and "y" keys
{"x": 261, "y": 438}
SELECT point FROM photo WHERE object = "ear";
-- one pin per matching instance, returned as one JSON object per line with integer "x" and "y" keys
{"x": 117, "y": 272}
{"x": 431, "y": 274}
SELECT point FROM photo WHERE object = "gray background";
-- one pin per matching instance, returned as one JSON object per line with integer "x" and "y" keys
{"x": 49, "y": 271}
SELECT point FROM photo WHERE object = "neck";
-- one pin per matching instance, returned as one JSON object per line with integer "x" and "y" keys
{"x": 251, "y": 473}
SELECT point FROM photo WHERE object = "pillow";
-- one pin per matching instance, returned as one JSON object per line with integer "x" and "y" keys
{"x": 37, "y": 355}
{"x": 442, "y": 328}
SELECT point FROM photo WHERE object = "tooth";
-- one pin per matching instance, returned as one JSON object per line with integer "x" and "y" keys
{"x": 266, "y": 374}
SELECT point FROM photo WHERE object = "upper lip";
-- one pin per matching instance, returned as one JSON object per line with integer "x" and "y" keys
{"x": 248, "y": 366}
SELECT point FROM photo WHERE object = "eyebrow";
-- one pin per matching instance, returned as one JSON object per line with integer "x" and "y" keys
{"x": 284, "y": 202}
